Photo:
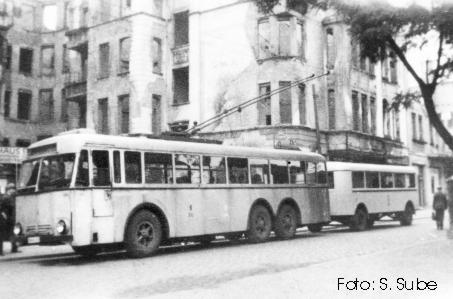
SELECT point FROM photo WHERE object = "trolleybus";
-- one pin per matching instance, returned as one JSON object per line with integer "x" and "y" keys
{"x": 93, "y": 190}
{"x": 362, "y": 193}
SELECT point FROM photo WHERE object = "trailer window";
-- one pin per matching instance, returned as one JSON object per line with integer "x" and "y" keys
{"x": 372, "y": 179}
{"x": 279, "y": 171}
{"x": 330, "y": 180}
{"x": 400, "y": 180}
{"x": 358, "y": 180}
{"x": 411, "y": 179}
{"x": 259, "y": 171}
{"x": 133, "y": 167}
{"x": 386, "y": 180}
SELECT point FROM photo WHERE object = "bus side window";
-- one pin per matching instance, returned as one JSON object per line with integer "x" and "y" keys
{"x": 187, "y": 169}
{"x": 214, "y": 171}
{"x": 400, "y": 180}
{"x": 321, "y": 173}
{"x": 386, "y": 180}
{"x": 330, "y": 181}
{"x": 259, "y": 171}
{"x": 101, "y": 171}
{"x": 411, "y": 180}
{"x": 358, "y": 180}
{"x": 297, "y": 172}
{"x": 158, "y": 168}
{"x": 311, "y": 173}
{"x": 82, "y": 179}
{"x": 238, "y": 170}
{"x": 133, "y": 167}
{"x": 279, "y": 171}
{"x": 117, "y": 166}
{"x": 372, "y": 179}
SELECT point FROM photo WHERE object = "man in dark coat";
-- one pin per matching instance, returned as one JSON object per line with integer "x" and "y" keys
{"x": 7, "y": 217}
{"x": 439, "y": 206}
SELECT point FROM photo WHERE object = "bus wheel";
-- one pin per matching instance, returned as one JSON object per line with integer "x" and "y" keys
{"x": 143, "y": 234}
{"x": 286, "y": 222}
{"x": 260, "y": 224}
{"x": 359, "y": 222}
{"x": 315, "y": 227}
{"x": 407, "y": 216}
{"x": 88, "y": 251}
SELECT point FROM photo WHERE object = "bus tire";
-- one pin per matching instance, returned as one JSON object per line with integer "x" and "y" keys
{"x": 406, "y": 216}
{"x": 359, "y": 222}
{"x": 143, "y": 234}
{"x": 87, "y": 251}
{"x": 286, "y": 222}
{"x": 260, "y": 224}
{"x": 315, "y": 227}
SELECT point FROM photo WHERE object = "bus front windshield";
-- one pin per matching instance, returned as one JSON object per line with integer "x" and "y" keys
{"x": 28, "y": 174}
{"x": 56, "y": 171}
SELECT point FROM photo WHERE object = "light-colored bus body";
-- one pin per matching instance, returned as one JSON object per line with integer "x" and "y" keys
{"x": 99, "y": 215}
{"x": 377, "y": 199}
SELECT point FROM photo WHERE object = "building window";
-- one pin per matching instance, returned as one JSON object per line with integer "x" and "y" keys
{"x": 49, "y": 19}
{"x": 300, "y": 36}
{"x": 385, "y": 69}
{"x": 7, "y": 104}
{"x": 4, "y": 142}
{"x": 373, "y": 115}
{"x": 181, "y": 86}
{"x": 27, "y": 15}
{"x": 25, "y": 61}
{"x": 355, "y": 54}
{"x": 104, "y": 60}
{"x": 46, "y": 105}
{"x": 125, "y": 48}
{"x": 47, "y": 60}
{"x": 386, "y": 117}
{"x": 64, "y": 107}
{"x": 365, "y": 109}
{"x": 331, "y": 108}
{"x": 105, "y": 10}
{"x": 431, "y": 134}
{"x": 264, "y": 43}
{"x": 123, "y": 107}
{"x": 420, "y": 128}
{"x": 330, "y": 48}
{"x": 285, "y": 103}
{"x": 355, "y": 111}
{"x": 397, "y": 125}
{"x": 393, "y": 70}
{"x": 362, "y": 61}
{"x": 414, "y": 125}
{"x": 181, "y": 28}
{"x": 302, "y": 104}
{"x": 157, "y": 55}
{"x": 66, "y": 68}
{"x": 8, "y": 58}
{"x": 103, "y": 116}
{"x": 156, "y": 115}
{"x": 264, "y": 105}
{"x": 23, "y": 105}
{"x": 284, "y": 37}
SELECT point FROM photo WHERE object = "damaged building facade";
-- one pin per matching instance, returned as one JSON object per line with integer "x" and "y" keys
{"x": 130, "y": 66}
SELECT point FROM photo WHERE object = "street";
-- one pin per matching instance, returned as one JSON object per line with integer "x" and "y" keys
{"x": 309, "y": 266}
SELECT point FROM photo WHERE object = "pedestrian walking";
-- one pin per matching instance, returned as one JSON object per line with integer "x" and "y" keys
{"x": 8, "y": 219}
{"x": 439, "y": 206}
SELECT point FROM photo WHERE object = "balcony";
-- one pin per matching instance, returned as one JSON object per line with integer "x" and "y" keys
{"x": 77, "y": 38}
{"x": 360, "y": 147}
{"x": 181, "y": 56}
{"x": 75, "y": 85}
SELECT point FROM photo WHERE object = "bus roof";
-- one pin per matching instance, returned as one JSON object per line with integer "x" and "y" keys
{"x": 72, "y": 143}
{"x": 349, "y": 166}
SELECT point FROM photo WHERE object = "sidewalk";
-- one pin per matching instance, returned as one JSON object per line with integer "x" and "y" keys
{"x": 423, "y": 212}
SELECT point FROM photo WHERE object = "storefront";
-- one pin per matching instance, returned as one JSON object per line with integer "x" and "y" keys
{"x": 10, "y": 159}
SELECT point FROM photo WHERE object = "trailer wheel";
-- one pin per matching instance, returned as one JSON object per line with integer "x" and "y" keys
{"x": 359, "y": 222}
{"x": 406, "y": 216}
{"x": 286, "y": 222}
{"x": 260, "y": 224}
{"x": 315, "y": 227}
{"x": 143, "y": 234}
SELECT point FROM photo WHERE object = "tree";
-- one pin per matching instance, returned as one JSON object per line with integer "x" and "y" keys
{"x": 384, "y": 30}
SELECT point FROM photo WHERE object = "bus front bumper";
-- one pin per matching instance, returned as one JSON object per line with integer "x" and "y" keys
{"x": 43, "y": 240}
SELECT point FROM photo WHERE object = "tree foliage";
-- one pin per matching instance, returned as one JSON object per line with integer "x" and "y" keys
{"x": 383, "y": 30}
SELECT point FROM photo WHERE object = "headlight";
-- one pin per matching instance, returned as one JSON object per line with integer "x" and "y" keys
{"x": 17, "y": 229}
{"x": 61, "y": 227}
